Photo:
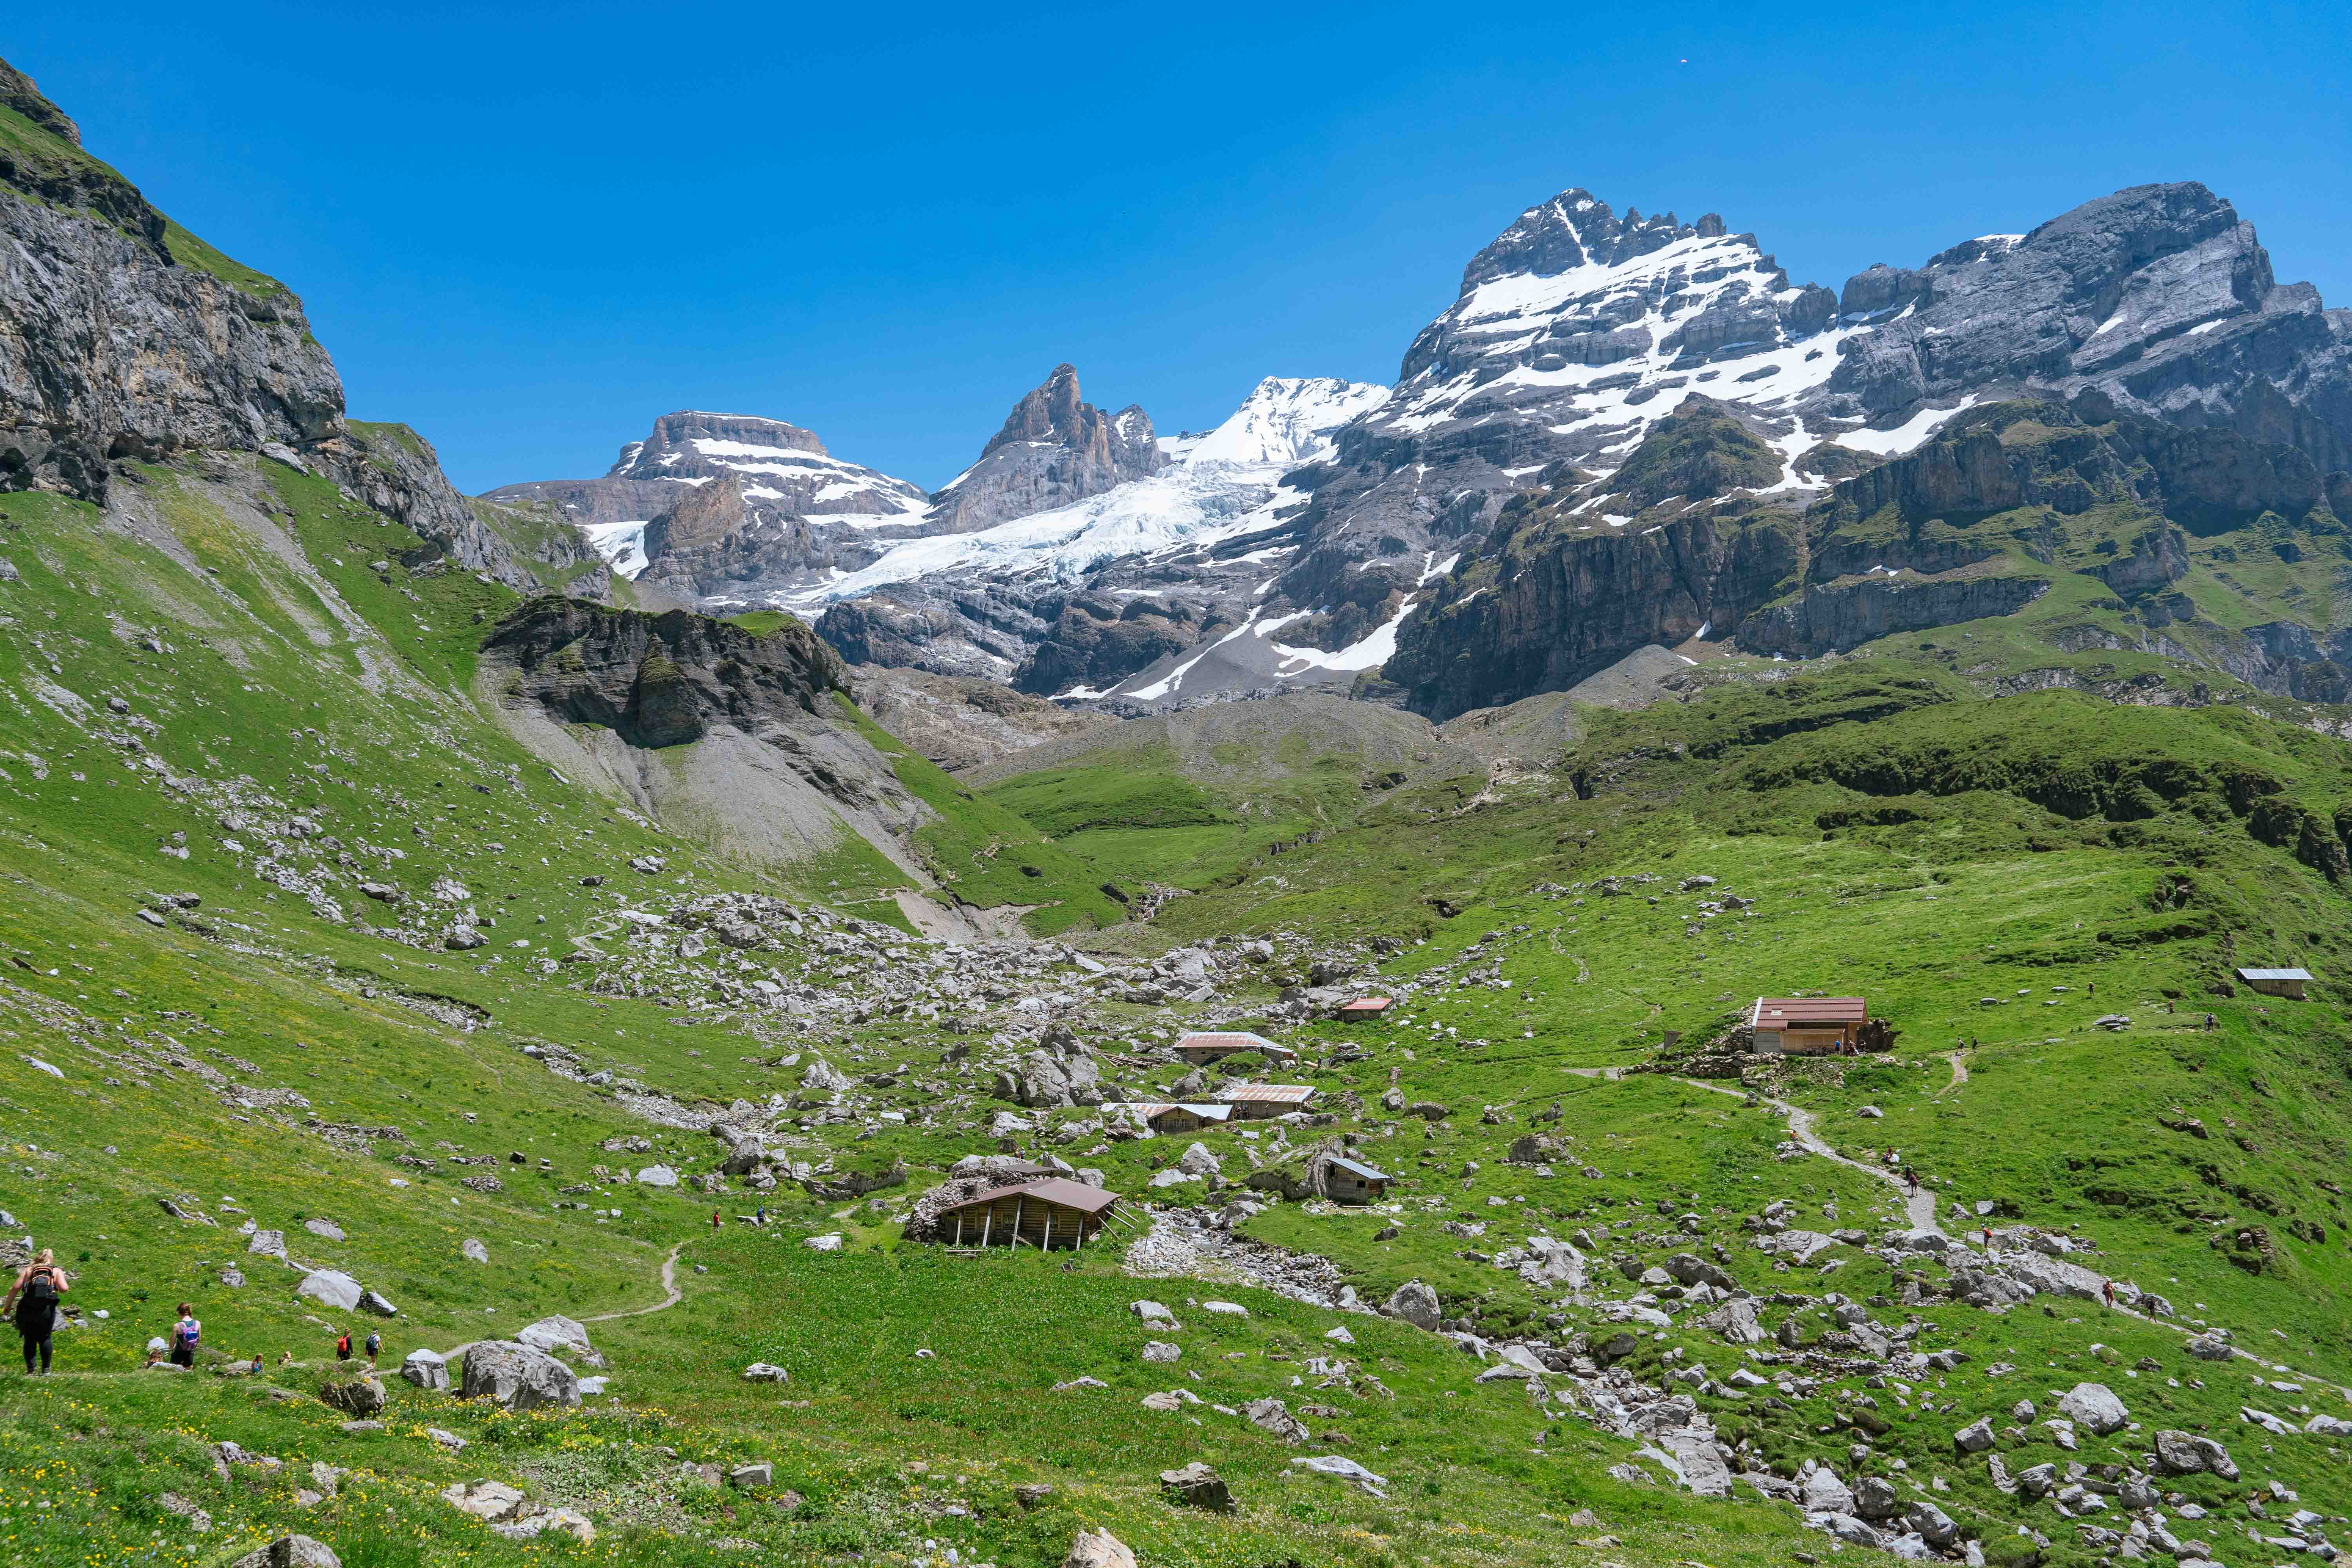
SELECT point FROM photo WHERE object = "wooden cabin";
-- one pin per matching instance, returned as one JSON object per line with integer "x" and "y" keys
{"x": 1203, "y": 1046}
{"x": 1045, "y": 1214}
{"x": 1257, "y": 1101}
{"x": 2287, "y": 983}
{"x": 1364, "y": 1009}
{"x": 1178, "y": 1119}
{"x": 1353, "y": 1181}
{"x": 1807, "y": 1025}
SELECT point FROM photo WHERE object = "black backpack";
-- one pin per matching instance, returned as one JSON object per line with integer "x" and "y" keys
{"x": 38, "y": 1305}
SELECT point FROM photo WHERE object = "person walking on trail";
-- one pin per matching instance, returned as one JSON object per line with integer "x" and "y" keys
{"x": 34, "y": 1299}
{"x": 374, "y": 1348}
{"x": 1987, "y": 1238}
{"x": 1912, "y": 1177}
{"x": 186, "y": 1333}
{"x": 2109, "y": 1290}
{"x": 714, "y": 1219}
{"x": 342, "y": 1347}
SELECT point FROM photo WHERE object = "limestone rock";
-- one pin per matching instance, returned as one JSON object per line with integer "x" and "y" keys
{"x": 2093, "y": 1405}
{"x": 516, "y": 1376}
{"x": 1196, "y": 1486}
{"x": 426, "y": 1369}
{"x": 1098, "y": 1549}
{"x": 291, "y": 1552}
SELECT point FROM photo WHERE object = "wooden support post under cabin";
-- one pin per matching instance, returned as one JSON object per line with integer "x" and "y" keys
{"x": 959, "y": 1241}
{"x": 1016, "y": 1222}
{"x": 1049, "y": 1229}
{"x": 986, "y": 1221}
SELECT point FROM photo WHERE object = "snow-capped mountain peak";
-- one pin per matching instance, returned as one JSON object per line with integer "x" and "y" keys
{"x": 1284, "y": 422}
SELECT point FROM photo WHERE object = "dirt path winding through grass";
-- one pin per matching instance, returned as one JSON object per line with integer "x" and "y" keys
{"x": 1918, "y": 1207}
{"x": 671, "y": 1294}
{"x": 1959, "y": 1074}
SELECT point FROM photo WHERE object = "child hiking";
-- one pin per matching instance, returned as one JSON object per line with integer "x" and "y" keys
{"x": 185, "y": 1335}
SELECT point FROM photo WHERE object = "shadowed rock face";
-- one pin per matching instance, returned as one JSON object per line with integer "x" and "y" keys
{"x": 661, "y": 681}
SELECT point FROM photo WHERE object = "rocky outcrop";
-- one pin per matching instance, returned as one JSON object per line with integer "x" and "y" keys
{"x": 1559, "y": 603}
{"x": 2158, "y": 298}
{"x": 660, "y": 681}
{"x": 127, "y": 341}
{"x": 1835, "y": 617}
{"x": 1054, "y": 449}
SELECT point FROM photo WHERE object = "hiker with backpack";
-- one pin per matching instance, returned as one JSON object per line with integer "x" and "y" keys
{"x": 374, "y": 1348}
{"x": 185, "y": 1335}
{"x": 33, "y": 1297}
{"x": 343, "y": 1346}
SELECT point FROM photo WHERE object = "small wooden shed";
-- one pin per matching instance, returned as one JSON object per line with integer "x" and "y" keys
{"x": 1053, "y": 1211}
{"x": 1807, "y": 1025}
{"x": 1364, "y": 1009}
{"x": 1175, "y": 1119}
{"x": 2287, "y": 983}
{"x": 1256, "y": 1102}
{"x": 1203, "y": 1046}
{"x": 1353, "y": 1181}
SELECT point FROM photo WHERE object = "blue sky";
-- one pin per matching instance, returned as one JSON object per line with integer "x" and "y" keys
{"x": 527, "y": 230}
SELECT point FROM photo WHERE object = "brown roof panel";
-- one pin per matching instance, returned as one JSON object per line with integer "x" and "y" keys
{"x": 1268, "y": 1094}
{"x": 1057, "y": 1190}
{"x": 1231, "y": 1040}
{"x": 1799, "y": 1012}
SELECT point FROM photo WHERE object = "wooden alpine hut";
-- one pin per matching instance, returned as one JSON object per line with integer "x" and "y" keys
{"x": 1049, "y": 1213}
{"x": 2287, "y": 983}
{"x": 1203, "y": 1046}
{"x": 1176, "y": 1119}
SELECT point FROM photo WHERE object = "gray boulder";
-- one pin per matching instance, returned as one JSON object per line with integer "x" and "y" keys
{"x": 268, "y": 1243}
{"x": 426, "y": 1369}
{"x": 1415, "y": 1303}
{"x": 1823, "y": 1493}
{"x": 2189, "y": 1454}
{"x": 372, "y": 1303}
{"x": 557, "y": 1333}
{"x": 1874, "y": 1496}
{"x": 325, "y": 1228}
{"x": 1196, "y": 1486}
{"x": 1274, "y": 1418}
{"x": 330, "y": 1289}
{"x": 473, "y": 1251}
{"x": 2095, "y": 1406}
{"x": 1975, "y": 1438}
{"x": 517, "y": 1376}
{"x": 359, "y": 1398}
{"x": 1931, "y": 1523}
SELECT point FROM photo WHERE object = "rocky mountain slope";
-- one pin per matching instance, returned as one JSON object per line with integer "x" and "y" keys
{"x": 1581, "y": 338}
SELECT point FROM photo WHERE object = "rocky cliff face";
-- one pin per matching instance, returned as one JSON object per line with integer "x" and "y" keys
{"x": 125, "y": 339}
{"x": 661, "y": 681}
{"x": 1055, "y": 448}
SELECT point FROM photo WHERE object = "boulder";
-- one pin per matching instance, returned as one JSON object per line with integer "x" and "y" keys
{"x": 1823, "y": 1493}
{"x": 1415, "y": 1303}
{"x": 485, "y": 1500}
{"x": 325, "y": 1228}
{"x": 428, "y": 1370}
{"x": 1098, "y": 1549}
{"x": 1931, "y": 1523}
{"x": 1975, "y": 1438}
{"x": 1735, "y": 1323}
{"x": 372, "y": 1303}
{"x": 757, "y": 1473}
{"x": 2207, "y": 1347}
{"x": 2093, "y": 1405}
{"x": 1274, "y": 1418}
{"x": 1160, "y": 1351}
{"x": 1196, "y": 1486}
{"x": 268, "y": 1243}
{"x": 2189, "y": 1454}
{"x": 330, "y": 1289}
{"x": 1200, "y": 1161}
{"x": 1874, "y": 1496}
{"x": 557, "y": 1334}
{"x": 762, "y": 1371}
{"x": 361, "y": 1398}
{"x": 517, "y": 1376}
{"x": 1690, "y": 1270}
{"x": 473, "y": 1251}
{"x": 291, "y": 1551}
{"x": 657, "y": 1176}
